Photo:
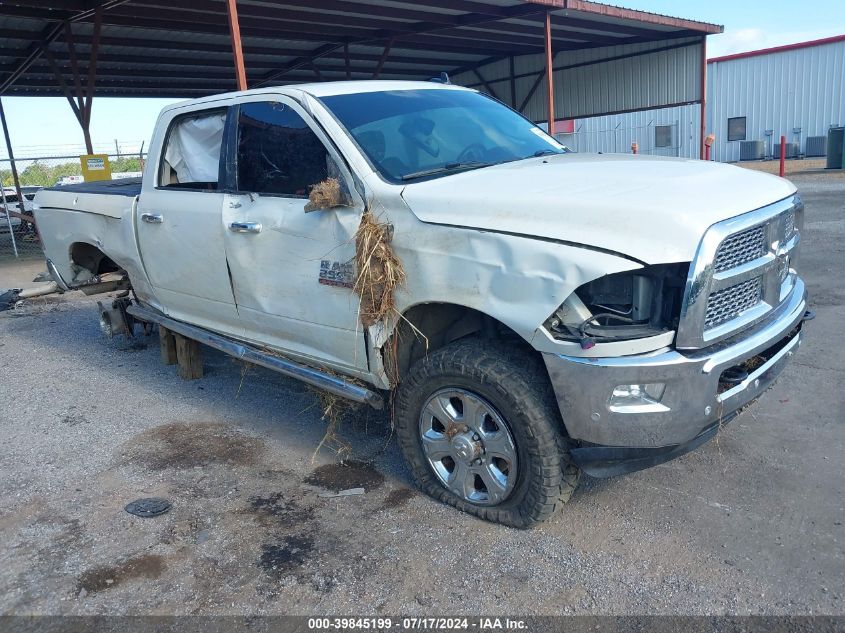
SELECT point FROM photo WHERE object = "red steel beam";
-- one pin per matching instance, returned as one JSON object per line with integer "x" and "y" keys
{"x": 597, "y": 8}
{"x": 550, "y": 84}
{"x": 237, "y": 49}
{"x": 702, "y": 123}
{"x": 778, "y": 49}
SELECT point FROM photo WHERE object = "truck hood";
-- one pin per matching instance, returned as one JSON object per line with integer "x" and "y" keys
{"x": 652, "y": 209}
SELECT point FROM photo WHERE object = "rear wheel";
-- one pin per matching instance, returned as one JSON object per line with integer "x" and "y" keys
{"x": 480, "y": 430}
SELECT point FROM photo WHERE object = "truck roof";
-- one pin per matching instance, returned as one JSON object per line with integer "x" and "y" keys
{"x": 328, "y": 88}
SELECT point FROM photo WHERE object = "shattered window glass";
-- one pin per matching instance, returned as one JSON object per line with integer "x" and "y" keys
{"x": 277, "y": 152}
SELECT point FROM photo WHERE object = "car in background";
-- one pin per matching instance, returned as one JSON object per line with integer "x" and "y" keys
{"x": 29, "y": 191}
{"x": 9, "y": 202}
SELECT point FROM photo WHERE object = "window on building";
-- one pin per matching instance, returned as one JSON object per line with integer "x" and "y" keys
{"x": 191, "y": 158}
{"x": 663, "y": 136}
{"x": 736, "y": 128}
{"x": 277, "y": 152}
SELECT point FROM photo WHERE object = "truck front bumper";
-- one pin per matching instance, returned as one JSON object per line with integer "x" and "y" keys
{"x": 696, "y": 397}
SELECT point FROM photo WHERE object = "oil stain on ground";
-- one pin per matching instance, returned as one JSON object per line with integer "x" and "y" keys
{"x": 186, "y": 445}
{"x": 287, "y": 556}
{"x": 150, "y": 566}
{"x": 345, "y": 475}
{"x": 398, "y": 497}
{"x": 279, "y": 509}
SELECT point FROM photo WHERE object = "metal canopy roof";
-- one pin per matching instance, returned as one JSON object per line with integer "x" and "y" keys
{"x": 182, "y": 48}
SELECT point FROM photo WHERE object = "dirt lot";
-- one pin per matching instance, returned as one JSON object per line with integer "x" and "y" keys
{"x": 750, "y": 523}
{"x": 792, "y": 166}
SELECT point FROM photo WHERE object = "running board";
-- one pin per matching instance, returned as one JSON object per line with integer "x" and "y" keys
{"x": 314, "y": 377}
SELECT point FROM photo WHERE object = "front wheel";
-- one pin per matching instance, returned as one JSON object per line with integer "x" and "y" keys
{"x": 480, "y": 431}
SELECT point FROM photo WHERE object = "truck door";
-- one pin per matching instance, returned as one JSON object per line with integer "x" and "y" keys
{"x": 179, "y": 227}
{"x": 292, "y": 271}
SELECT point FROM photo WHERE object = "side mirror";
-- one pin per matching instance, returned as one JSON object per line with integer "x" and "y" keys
{"x": 330, "y": 193}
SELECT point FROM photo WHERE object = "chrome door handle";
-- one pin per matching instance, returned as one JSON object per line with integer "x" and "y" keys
{"x": 245, "y": 227}
{"x": 152, "y": 218}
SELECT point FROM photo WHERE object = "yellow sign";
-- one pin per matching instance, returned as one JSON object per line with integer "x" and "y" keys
{"x": 95, "y": 167}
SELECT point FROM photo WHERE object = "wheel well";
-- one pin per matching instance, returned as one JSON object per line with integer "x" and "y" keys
{"x": 91, "y": 259}
{"x": 430, "y": 326}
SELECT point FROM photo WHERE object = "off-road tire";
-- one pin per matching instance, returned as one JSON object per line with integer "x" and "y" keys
{"x": 518, "y": 387}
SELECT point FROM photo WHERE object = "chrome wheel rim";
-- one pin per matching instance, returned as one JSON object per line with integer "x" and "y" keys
{"x": 469, "y": 446}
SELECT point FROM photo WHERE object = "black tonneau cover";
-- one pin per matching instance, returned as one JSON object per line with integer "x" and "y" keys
{"x": 130, "y": 187}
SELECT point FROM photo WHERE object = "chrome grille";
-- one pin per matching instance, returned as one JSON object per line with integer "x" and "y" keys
{"x": 741, "y": 248}
{"x": 727, "y": 304}
{"x": 740, "y": 275}
{"x": 789, "y": 224}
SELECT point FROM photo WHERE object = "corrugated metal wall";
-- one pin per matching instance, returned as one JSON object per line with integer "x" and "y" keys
{"x": 600, "y": 80}
{"x": 802, "y": 89}
{"x": 616, "y": 132}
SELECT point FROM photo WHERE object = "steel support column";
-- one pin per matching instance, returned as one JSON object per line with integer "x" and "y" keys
{"x": 550, "y": 73}
{"x": 92, "y": 79}
{"x": 23, "y": 218}
{"x": 383, "y": 58}
{"x": 703, "y": 88}
{"x": 513, "y": 83}
{"x": 237, "y": 49}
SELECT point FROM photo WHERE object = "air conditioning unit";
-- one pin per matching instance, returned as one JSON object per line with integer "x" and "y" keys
{"x": 816, "y": 146}
{"x": 792, "y": 150}
{"x": 751, "y": 150}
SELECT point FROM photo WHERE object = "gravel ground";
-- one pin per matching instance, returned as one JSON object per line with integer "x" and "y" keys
{"x": 751, "y": 523}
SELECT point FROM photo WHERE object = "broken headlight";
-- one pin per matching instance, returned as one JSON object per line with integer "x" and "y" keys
{"x": 623, "y": 306}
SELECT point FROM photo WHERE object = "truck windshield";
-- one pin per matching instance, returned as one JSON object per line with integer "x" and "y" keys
{"x": 428, "y": 133}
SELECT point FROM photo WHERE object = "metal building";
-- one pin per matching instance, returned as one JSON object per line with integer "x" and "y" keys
{"x": 797, "y": 91}
{"x": 753, "y": 98}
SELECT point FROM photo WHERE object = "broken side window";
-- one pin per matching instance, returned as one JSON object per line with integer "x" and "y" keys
{"x": 278, "y": 153}
{"x": 191, "y": 157}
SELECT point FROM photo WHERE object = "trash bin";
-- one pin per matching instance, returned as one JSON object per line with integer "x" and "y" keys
{"x": 835, "y": 147}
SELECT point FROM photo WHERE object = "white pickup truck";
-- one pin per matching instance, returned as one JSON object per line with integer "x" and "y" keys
{"x": 560, "y": 312}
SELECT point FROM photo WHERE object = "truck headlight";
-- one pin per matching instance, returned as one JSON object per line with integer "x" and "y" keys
{"x": 623, "y": 306}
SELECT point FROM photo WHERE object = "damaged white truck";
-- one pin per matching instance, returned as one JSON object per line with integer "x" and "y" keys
{"x": 531, "y": 312}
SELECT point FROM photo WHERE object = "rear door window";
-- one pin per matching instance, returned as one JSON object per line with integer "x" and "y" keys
{"x": 191, "y": 158}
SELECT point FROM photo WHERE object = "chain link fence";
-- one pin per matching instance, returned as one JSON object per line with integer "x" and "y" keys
{"x": 49, "y": 166}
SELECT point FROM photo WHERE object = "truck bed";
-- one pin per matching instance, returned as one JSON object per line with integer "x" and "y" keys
{"x": 122, "y": 187}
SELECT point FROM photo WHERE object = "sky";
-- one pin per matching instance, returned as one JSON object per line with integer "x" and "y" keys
{"x": 46, "y": 125}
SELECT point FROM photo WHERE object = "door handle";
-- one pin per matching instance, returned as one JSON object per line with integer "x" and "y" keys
{"x": 152, "y": 218}
{"x": 245, "y": 227}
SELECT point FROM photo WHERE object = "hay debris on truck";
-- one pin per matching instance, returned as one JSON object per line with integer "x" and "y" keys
{"x": 379, "y": 270}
